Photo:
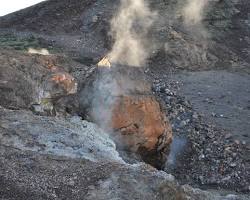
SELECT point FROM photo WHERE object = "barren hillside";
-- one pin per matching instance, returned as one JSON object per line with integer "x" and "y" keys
{"x": 83, "y": 27}
{"x": 79, "y": 121}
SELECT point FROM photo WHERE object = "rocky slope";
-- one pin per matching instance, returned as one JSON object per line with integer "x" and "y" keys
{"x": 48, "y": 152}
{"x": 221, "y": 40}
{"x": 46, "y": 158}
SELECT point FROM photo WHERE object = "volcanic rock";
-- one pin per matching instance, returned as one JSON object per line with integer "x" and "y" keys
{"x": 50, "y": 158}
{"x": 69, "y": 137}
{"x": 142, "y": 127}
{"x": 33, "y": 81}
{"x": 81, "y": 30}
{"x": 31, "y": 175}
{"x": 121, "y": 101}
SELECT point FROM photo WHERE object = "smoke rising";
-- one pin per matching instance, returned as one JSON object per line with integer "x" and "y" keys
{"x": 177, "y": 147}
{"x": 129, "y": 29}
{"x": 105, "y": 89}
{"x": 189, "y": 45}
{"x": 194, "y": 11}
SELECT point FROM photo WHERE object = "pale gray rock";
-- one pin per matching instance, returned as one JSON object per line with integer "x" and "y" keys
{"x": 62, "y": 137}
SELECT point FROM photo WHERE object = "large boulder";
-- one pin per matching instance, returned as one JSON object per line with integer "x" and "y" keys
{"x": 140, "y": 115}
{"x": 120, "y": 100}
{"x": 141, "y": 126}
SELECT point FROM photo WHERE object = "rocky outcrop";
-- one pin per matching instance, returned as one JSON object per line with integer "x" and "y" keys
{"x": 33, "y": 81}
{"x": 120, "y": 100}
{"x": 62, "y": 137}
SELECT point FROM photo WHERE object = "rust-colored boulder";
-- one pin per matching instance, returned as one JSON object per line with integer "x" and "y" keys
{"x": 140, "y": 124}
{"x": 140, "y": 121}
{"x": 121, "y": 101}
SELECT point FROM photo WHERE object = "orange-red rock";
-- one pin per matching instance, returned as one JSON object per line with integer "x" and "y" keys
{"x": 140, "y": 121}
{"x": 120, "y": 100}
{"x": 66, "y": 81}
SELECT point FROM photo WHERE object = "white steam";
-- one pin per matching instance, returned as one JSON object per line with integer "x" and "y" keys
{"x": 129, "y": 29}
{"x": 190, "y": 47}
{"x": 194, "y": 11}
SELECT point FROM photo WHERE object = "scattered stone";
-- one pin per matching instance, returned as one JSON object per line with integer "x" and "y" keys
{"x": 211, "y": 149}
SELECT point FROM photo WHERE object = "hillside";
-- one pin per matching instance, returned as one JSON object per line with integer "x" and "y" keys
{"x": 110, "y": 99}
{"x": 83, "y": 27}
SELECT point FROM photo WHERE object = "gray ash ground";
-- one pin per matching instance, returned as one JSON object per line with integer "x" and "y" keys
{"x": 202, "y": 154}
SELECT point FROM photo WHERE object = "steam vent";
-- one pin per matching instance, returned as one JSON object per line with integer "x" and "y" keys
{"x": 122, "y": 103}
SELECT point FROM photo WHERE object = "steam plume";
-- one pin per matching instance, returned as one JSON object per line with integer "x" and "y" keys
{"x": 193, "y": 11}
{"x": 129, "y": 28}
